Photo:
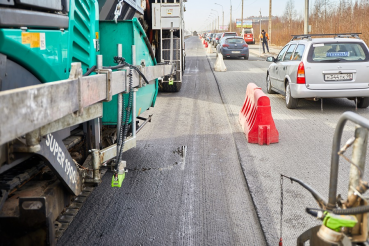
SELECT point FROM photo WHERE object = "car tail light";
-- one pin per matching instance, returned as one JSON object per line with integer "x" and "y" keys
{"x": 225, "y": 45}
{"x": 245, "y": 45}
{"x": 301, "y": 74}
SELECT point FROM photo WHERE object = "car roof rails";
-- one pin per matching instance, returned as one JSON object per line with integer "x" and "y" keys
{"x": 336, "y": 35}
{"x": 302, "y": 36}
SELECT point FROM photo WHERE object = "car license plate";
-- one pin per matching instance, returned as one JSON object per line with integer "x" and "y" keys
{"x": 335, "y": 77}
{"x": 235, "y": 52}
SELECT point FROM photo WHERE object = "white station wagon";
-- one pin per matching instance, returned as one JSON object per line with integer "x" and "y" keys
{"x": 318, "y": 68}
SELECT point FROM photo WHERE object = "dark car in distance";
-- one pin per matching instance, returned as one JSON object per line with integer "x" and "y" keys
{"x": 233, "y": 47}
{"x": 216, "y": 39}
{"x": 228, "y": 34}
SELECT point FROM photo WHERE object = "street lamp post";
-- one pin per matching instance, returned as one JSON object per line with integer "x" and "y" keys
{"x": 218, "y": 17}
{"x": 223, "y": 15}
{"x": 230, "y": 20}
{"x": 212, "y": 21}
{"x": 242, "y": 16}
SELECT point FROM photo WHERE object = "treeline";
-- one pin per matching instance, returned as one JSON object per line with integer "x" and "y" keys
{"x": 325, "y": 17}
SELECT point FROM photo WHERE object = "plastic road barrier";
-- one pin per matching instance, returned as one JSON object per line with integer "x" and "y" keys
{"x": 219, "y": 65}
{"x": 209, "y": 50}
{"x": 256, "y": 117}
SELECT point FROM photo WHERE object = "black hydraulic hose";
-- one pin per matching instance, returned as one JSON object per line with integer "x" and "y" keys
{"x": 318, "y": 197}
{"x": 93, "y": 68}
{"x": 114, "y": 67}
{"x": 315, "y": 212}
{"x": 122, "y": 63}
{"x": 312, "y": 212}
{"x": 350, "y": 211}
{"x": 139, "y": 72}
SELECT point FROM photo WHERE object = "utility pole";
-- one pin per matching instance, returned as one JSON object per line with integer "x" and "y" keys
{"x": 242, "y": 16}
{"x": 306, "y": 20}
{"x": 259, "y": 36}
{"x": 230, "y": 20}
{"x": 270, "y": 22}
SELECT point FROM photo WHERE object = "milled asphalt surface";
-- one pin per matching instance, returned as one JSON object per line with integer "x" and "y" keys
{"x": 199, "y": 197}
{"x": 203, "y": 198}
{"x": 303, "y": 151}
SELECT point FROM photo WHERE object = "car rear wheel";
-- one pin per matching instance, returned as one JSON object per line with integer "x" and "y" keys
{"x": 291, "y": 102}
{"x": 246, "y": 57}
{"x": 269, "y": 85}
{"x": 362, "y": 102}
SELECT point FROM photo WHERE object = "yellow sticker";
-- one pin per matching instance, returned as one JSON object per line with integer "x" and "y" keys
{"x": 97, "y": 35}
{"x": 35, "y": 42}
{"x": 31, "y": 38}
{"x": 26, "y": 38}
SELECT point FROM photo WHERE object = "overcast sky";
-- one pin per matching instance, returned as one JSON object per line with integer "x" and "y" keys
{"x": 198, "y": 11}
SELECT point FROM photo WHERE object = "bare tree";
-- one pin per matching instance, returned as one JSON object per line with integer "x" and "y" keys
{"x": 327, "y": 16}
{"x": 289, "y": 12}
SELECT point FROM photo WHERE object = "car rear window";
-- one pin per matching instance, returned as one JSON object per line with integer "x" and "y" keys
{"x": 235, "y": 40}
{"x": 248, "y": 31}
{"x": 230, "y": 34}
{"x": 338, "y": 52}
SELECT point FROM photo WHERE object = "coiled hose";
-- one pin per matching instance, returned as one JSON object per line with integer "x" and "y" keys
{"x": 350, "y": 211}
{"x": 124, "y": 127}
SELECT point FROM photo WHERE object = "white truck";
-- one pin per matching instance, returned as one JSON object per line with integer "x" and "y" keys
{"x": 168, "y": 31}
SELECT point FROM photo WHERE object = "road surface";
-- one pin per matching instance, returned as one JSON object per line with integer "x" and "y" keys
{"x": 193, "y": 178}
{"x": 185, "y": 184}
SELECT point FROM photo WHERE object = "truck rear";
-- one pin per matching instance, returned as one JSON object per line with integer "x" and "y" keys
{"x": 248, "y": 35}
